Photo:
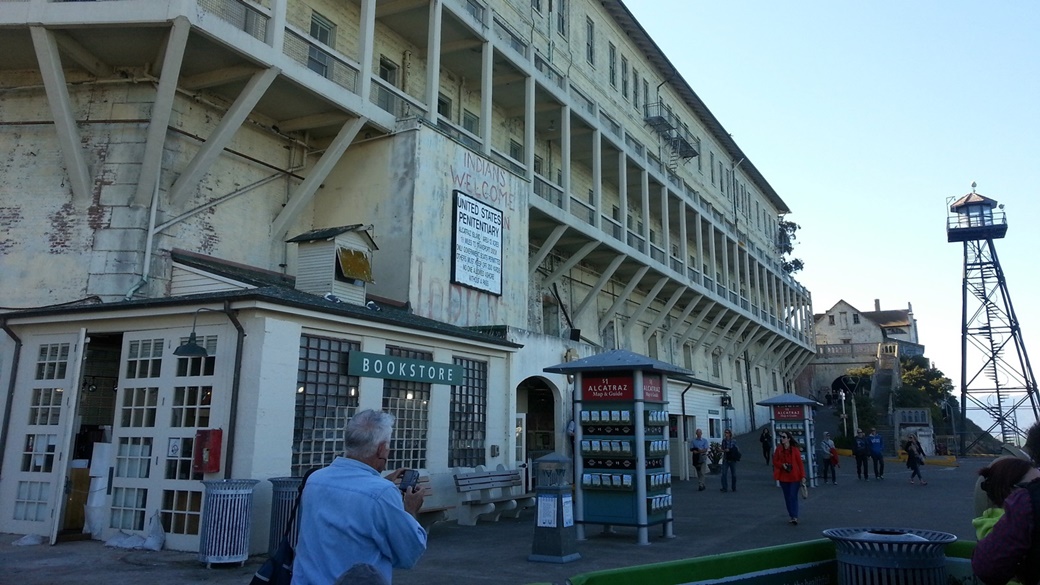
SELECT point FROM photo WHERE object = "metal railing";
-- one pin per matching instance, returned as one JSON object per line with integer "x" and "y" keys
{"x": 321, "y": 60}
{"x": 549, "y": 71}
{"x": 393, "y": 100}
{"x": 548, "y": 191}
{"x": 243, "y": 15}
{"x": 513, "y": 40}
{"x": 583, "y": 211}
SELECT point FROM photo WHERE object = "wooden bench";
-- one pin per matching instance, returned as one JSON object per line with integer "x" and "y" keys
{"x": 488, "y": 495}
{"x": 429, "y": 515}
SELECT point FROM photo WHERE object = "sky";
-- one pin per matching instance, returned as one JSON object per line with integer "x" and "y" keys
{"x": 866, "y": 118}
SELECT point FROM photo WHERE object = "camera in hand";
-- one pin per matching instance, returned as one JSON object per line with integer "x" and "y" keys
{"x": 786, "y": 466}
{"x": 409, "y": 480}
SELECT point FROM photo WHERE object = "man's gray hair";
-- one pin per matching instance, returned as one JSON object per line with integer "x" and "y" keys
{"x": 365, "y": 431}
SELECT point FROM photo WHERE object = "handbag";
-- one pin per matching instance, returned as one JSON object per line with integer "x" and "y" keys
{"x": 277, "y": 569}
{"x": 734, "y": 454}
{"x": 804, "y": 490}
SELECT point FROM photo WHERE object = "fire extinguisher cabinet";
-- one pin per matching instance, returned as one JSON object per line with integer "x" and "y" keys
{"x": 227, "y": 509}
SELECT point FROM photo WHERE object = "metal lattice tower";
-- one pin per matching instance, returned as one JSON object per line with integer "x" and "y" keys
{"x": 996, "y": 376}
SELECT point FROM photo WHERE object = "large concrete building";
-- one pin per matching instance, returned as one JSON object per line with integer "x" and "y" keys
{"x": 473, "y": 189}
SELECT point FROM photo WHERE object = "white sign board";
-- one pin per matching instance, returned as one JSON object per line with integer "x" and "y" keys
{"x": 477, "y": 244}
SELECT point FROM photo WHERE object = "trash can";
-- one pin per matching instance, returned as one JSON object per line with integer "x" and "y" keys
{"x": 226, "y": 520}
{"x": 890, "y": 556}
{"x": 282, "y": 499}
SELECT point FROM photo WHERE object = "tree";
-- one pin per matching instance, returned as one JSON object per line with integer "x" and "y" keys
{"x": 921, "y": 376}
{"x": 785, "y": 237}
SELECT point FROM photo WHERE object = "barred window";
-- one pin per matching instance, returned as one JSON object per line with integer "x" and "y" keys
{"x": 467, "y": 425}
{"x": 410, "y": 403}
{"x": 325, "y": 398}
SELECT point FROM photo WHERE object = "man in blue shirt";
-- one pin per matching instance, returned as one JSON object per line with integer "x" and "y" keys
{"x": 699, "y": 453}
{"x": 876, "y": 444}
{"x": 350, "y": 514}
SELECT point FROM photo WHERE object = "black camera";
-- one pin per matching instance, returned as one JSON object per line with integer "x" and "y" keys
{"x": 786, "y": 466}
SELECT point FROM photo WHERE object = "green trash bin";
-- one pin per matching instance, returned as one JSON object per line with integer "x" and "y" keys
{"x": 890, "y": 556}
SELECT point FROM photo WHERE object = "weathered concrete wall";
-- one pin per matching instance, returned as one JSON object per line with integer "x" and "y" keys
{"x": 96, "y": 246}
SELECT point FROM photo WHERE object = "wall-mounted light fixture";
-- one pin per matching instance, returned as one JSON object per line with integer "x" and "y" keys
{"x": 192, "y": 348}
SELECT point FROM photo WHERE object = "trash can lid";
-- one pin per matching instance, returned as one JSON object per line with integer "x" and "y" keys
{"x": 888, "y": 535}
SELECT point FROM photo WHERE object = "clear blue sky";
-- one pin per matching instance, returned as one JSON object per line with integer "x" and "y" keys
{"x": 866, "y": 117}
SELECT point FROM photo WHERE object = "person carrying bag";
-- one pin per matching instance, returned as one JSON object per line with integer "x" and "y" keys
{"x": 277, "y": 569}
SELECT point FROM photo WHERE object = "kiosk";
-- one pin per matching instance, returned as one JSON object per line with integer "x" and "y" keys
{"x": 794, "y": 414}
{"x": 622, "y": 467}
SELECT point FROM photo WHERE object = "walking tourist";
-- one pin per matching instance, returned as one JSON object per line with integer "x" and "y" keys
{"x": 789, "y": 470}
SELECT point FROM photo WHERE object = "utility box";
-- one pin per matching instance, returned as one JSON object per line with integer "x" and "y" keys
{"x": 205, "y": 457}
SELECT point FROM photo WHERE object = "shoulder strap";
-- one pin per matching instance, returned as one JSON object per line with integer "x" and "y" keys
{"x": 296, "y": 504}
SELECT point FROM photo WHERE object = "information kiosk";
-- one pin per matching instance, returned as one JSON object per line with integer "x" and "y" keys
{"x": 794, "y": 414}
{"x": 622, "y": 467}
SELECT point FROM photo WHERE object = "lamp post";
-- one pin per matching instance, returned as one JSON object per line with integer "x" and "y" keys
{"x": 844, "y": 420}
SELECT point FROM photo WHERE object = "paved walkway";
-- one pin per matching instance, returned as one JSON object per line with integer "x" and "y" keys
{"x": 706, "y": 523}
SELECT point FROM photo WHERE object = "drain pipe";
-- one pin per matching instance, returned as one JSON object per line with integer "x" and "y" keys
{"x": 150, "y": 236}
{"x": 236, "y": 381}
{"x": 10, "y": 388}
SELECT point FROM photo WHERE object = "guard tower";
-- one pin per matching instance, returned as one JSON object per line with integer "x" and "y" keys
{"x": 996, "y": 376}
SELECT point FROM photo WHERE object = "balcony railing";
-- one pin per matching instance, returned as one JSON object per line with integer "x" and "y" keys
{"x": 657, "y": 253}
{"x": 611, "y": 227}
{"x": 582, "y": 211}
{"x": 636, "y": 241}
{"x": 509, "y": 163}
{"x": 393, "y": 100}
{"x": 244, "y": 15}
{"x": 459, "y": 134}
{"x": 321, "y": 60}
{"x": 548, "y": 191}
{"x": 549, "y": 71}
{"x": 583, "y": 101}
{"x": 676, "y": 264}
{"x": 512, "y": 39}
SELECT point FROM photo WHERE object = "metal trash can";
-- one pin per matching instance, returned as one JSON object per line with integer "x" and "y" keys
{"x": 890, "y": 556}
{"x": 227, "y": 512}
{"x": 283, "y": 497}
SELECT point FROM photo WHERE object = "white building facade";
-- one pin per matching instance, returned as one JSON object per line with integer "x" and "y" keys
{"x": 538, "y": 182}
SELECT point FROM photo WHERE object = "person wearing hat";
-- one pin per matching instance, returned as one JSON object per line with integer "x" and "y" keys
{"x": 827, "y": 454}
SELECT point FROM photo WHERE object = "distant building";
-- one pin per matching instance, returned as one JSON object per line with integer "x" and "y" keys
{"x": 849, "y": 338}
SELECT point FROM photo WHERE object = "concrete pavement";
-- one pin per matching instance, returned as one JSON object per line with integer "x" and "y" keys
{"x": 706, "y": 523}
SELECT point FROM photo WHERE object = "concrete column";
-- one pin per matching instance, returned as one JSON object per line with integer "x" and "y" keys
{"x": 529, "y": 127}
{"x": 487, "y": 72}
{"x": 276, "y": 26}
{"x": 597, "y": 177}
{"x": 366, "y": 44}
{"x": 433, "y": 60}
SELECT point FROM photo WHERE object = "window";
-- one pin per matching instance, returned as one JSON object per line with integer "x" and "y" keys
{"x": 590, "y": 41}
{"x": 711, "y": 166}
{"x": 470, "y": 122}
{"x": 38, "y": 453}
{"x": 624, "y": 77}
{"x": 181, "y": 511}
{"x": 325, "y": 398}
{"x": 45, "y": 408}
{"x": 758, "y": 376}
{"x": 714, "y": 428}
{"x": 550, "y": 317}
{"x": 32, "y": 501}
{"x": 561, "y": 17}
{"x": 190, "y": 407}
{"x": 133, "y": 457}
{"x": 738, "y": 368}
{"x": 612, "y": 64}
{"x": 855, "y": 319}
{"x": 516, "y": 151}
{"x": 444, "y": 106}
{"x": 144, "y": 358}
{"x": 323, "y": 31}
{"x": 128, "y": 508}
{"x": 652, "y": 348}
{"x": 537, "y": 5}
{"x": 716, "y": 364}
{"x": 409, "y": 403}
{"x": 139, "y": 407}
{"x": 388, "y": 71}
{"x": 538, "y": 164}
{"x": 467, "y": 422}
{"x": 646, "y": 92}
{"x": 635, "y": 88}
{"x": 196, "y": 366}
{"x": 687, "y": 356}
{"x": 830, "y": 319}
